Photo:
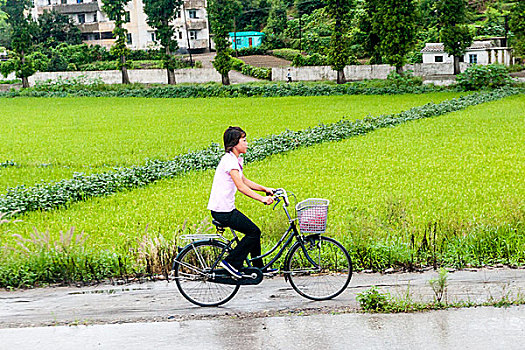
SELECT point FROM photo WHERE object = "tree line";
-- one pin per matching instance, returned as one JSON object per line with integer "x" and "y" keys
{"x": 387, "y": 31}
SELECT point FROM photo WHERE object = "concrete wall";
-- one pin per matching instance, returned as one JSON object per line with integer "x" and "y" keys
{"x": 10, "y": 76}
{"x": 380, "y": 71}
{"x": 147, "y": 76}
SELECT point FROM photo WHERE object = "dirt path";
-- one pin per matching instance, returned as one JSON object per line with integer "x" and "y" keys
{"x": 161, "y": 301}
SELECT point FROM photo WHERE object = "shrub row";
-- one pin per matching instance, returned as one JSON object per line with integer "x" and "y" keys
{"x": 52, "y": 89}
{"x": 52, "y": 195}
{"x": 478, "y": 77}
{"x": 249, "y": 51}
{"x": 256, "y": 72}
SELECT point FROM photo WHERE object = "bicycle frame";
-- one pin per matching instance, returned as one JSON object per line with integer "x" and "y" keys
{"x": 288, "y": 235}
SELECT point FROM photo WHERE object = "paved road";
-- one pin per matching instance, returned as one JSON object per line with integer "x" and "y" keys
{"x": 161, "y": 301}
{"x": 475, "y": 328}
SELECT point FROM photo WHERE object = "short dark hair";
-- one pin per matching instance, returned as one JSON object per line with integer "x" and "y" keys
{"x": 231, "y": 137}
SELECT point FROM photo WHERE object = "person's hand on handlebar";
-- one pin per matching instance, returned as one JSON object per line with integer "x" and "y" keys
{"x": 269, "y": 191}
{"x": 267, "y": 200}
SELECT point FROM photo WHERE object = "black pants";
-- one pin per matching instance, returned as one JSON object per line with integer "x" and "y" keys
{"x": 249, "y": 244}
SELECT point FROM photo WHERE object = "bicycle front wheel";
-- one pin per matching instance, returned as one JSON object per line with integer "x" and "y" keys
{"x": 193, "y": 275}
{"x": 329, "y": 278}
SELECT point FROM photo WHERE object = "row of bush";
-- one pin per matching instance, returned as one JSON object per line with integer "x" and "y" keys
{"x": 256, "y": 72}
{"x": 96, "y": 88}
{"x": 141, "y": 64}
{"x": 52, "y": 195}
{"x": 299, "y": 59}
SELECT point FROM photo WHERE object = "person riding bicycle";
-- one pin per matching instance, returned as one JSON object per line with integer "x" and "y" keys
{"x": 228, "y": 179}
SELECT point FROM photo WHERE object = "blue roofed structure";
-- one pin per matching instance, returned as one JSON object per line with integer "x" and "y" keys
{"x": 243, "y": 40}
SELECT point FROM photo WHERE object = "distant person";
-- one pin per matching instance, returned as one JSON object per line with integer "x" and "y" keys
{"x": 228, "y": 179}
{"x": 289, "y": 76}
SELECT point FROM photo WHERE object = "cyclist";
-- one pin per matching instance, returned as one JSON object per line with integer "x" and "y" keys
{"x": 228, "y": 179}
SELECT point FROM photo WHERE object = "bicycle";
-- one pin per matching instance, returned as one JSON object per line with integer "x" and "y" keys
{"x": 317, "y": 267}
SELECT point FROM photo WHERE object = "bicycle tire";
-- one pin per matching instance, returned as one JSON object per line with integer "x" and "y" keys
{"x": 190, "y": 270}
{"x": 323, "y": 283}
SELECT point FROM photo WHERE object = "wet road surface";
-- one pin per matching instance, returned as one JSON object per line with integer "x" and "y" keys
{"x": 161, "y": 301}
{"x": 473, "y": 328}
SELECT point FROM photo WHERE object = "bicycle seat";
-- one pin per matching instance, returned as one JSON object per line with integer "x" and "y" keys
{"x": 218, "y": 224}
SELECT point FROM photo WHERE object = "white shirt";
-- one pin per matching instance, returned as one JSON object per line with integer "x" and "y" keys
{"x": 222, "y": 196}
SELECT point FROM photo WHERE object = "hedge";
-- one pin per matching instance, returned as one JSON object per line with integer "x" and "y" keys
{"x": 51, "y": 89}
{"x": 256, "y": 72}
{"x": 53, "y": 195}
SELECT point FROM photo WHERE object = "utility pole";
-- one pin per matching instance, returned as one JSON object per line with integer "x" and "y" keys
{"x": 300, "y": 33}
{"x": 235, "y": 37}
{"x": 187, "y": 34}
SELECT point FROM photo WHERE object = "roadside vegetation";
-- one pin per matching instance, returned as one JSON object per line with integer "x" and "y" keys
{"x": 374, "y": 300}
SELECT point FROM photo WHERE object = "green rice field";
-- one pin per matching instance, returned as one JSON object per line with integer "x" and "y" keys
{"x": 51, "y": 138}
{"x": 461, "y": 172}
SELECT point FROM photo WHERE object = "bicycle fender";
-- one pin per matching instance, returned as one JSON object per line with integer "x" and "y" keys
{"x": 289, "y": 253}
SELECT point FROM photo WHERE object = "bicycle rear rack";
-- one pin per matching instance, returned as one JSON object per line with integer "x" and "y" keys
{"x": 198, "y": 237}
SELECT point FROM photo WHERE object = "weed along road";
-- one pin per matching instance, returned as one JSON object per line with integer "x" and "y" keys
{"x": 151, "y": 303}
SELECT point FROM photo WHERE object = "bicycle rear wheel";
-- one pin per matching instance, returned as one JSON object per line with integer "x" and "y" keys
{"x": 192, "y": 270}
{"x": 326, "y": 281}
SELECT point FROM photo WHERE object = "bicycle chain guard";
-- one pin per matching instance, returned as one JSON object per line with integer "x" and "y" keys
{"x": 248, "y": 271}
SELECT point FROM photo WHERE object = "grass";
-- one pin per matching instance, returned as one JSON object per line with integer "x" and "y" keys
{"x": 459, "y": 171}
{"x": 50, "y": 139}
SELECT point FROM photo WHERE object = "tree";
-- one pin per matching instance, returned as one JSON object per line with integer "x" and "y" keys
{"x": 517, "y": 26}
{"x": 57, "y": 28}
{"x": 24, "y": 31}
{"x": 395, "y": 24}
{"x": 366, "y": 35}
{"x": 221, "y": 14}
{"x": 115, "y": 10}
{"x": 5, "y": 29}
{"x": 161, "y": 14}
{"x": 306, "y": 7}
{"x": 338, "y": 53}
{"x": 254, "y": 15}
{"x": 455, "y": 35}
{"x": 276, "y": 24}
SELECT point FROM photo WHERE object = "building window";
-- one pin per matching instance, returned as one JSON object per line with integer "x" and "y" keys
{"x": 178, "y": 14}
{"x": 63, "y": 2}
{"x": 192, "y": 13}
{"x": 127, "y": 17}
{"x": 81, "y": 18}
{"x": 80, "y": 1}
{"x": 438, "y": 59}
{"x": 152, "y": 35}
{"x": 107, "y": 35}
{"x": 193, "y": 34}
{"x": 180, "y": 35}
{"x": 95, "y": 19}
{"x": 129, "y": 39}
{"x": 473, "y": 58}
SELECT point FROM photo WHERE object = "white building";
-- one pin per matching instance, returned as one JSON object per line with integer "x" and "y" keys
{"x": 192, "y": 23}
{"x": 480, "y": 52}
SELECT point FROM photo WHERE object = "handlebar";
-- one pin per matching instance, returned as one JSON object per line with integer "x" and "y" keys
{"x": 281, "y": 193}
